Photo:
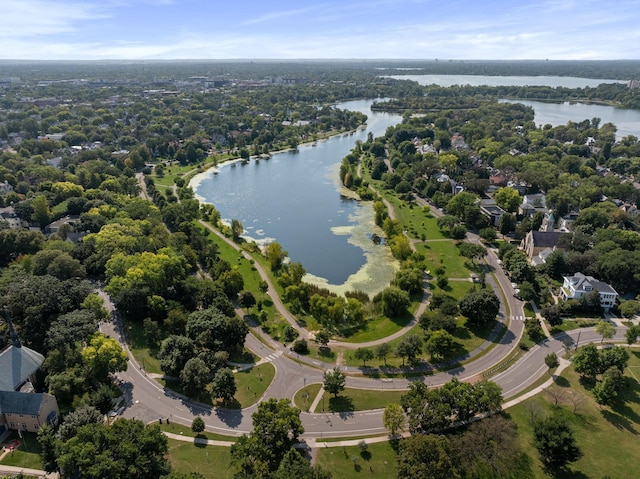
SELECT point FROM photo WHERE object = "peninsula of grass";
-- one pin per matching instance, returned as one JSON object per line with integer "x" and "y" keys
{"x": 305, "y": 396}
{"x": 252, "y": 383}
{"x": 186, "y": 431}
{"x": 351, "y": 400}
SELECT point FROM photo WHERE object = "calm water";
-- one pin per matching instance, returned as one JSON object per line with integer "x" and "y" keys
{"x": 477, "y": 80}
{"x": 295, "y": 198}
{"x": 555, "y": 114}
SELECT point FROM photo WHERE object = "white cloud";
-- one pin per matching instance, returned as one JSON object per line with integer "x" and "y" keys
{"x": 26, "y": 19}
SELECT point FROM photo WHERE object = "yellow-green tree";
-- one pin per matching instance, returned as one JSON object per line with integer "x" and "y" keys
{"x": 103, "y": 356}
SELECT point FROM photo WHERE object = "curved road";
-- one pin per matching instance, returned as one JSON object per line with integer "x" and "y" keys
{"x": 147, "y": 400}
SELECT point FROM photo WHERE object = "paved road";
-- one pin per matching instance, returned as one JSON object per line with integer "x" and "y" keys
{"x": 148, "y": 401}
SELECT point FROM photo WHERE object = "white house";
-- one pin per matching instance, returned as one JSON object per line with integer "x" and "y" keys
{"x": 579, "y": 284}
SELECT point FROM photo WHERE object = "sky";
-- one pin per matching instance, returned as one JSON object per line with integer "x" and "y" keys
{"x": 329, "y": 29}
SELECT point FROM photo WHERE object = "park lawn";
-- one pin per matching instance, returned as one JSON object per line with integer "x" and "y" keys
{"x": 607, "y": 435}
{"x": 325, "y": 354}
{"x": 444, "y": 254}
{"x": 139, "y": 347}
{"x": 28, "y": 453}
{"x": 378, "y": 461}
{"x": 213, "y": 462}
{"x": 305, "y": 396}
{"x": 358, "y": 400}
{"x": 379, "y": 328}
{"x": 187, "y": 432}
{"x": 252, "y": 383}
{"x": 417, "y": 220}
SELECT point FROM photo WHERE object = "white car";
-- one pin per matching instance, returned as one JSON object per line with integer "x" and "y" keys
{"x": 514, "y": 285}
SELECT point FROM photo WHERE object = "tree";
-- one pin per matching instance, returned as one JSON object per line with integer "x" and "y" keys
{"x": 394, "y": 301}
{"x": 409, "y": 347}
{"x": 551, "y": 360}
{"x": 104, "y": 355}
{"x": 293, "y": 464}
{"x": 236, "y": 229}
{"x": 632, "y": 334}
{"x": 438, "y": 343}
{"x": 49, "y": 444}
{"x": 334, "y": 381}
{"x": 382, "y": 351}
{"x": 41, "y": 211}
{"x": 195, "y": 374}
{"x": 365, "y": 354}
{"x": 488, "y": 235}
{"x": 552, "y": 314}
{"x": 275, "y": 255}
{"x": 223, "y": 385}
{"x": 605, "y": 329}
{"x": 587, "y": 361}
{"x": 472, "y": 251}
{"x": 508, "y": 199}
{"x": 426, "y": 456}
{"x": 393, "y": 418}
{"x": 74, "y": 327}
{"x": 174, "y": 354}
{"x": 197, "y": 425}
{"x": 127, "y": 448}
{"x": 555, "y": 442}
{"x": 276, "y": 427}
{"x": 323, "y": 337}
{"x": 480, "y": 307}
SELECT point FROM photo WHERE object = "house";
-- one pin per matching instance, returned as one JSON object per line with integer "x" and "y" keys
{"x": 9, "y": 216}
{"x": 27, "y": 412}
{"x": 71, "y": 220}
{"x": 22, "y": 409}
{"x": 576, "y": 286}
{"x": 537, "y": 241}
{"x": 532, "y": 204}
{"x": 5, "y": 188}
{"x": 491, "y": 210}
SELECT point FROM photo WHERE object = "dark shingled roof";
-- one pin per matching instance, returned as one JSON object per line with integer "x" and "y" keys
{"x": 20, "y": 403}
{"x": 546, "y": 239}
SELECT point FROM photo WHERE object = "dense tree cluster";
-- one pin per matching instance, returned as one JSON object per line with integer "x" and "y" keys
{"x": 435, "y": 409}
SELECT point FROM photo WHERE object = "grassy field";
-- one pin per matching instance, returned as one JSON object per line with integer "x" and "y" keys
{"x": 607, "y": 435}
{"x": 211, "y": 461}
{"x": 358, "y": 400}
{"x": 378, "y": 461}
{"x": 28, "y": 453}
{"x": 305, "y": 396}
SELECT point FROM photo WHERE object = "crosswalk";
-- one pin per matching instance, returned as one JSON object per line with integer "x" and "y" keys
{"x": 273, "y": 356}
{"x": 518, "y": 318}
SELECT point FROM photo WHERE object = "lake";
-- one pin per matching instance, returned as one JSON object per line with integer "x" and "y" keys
{"x": 478, "y": 80}
{"x": 295, "y": 198}
{"x": 555, "y": 114}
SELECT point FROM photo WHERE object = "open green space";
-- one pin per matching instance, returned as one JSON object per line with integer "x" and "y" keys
{"x": 305, "y": 396}
{"x": 378, "y": 461}
{"x": 252, "y": 383}
{"x": 447, "y": 255}
{"x": 352, "y": 399}
{"x": 28, "y": 453}
{"x": 606, "y": 435}
{"x": 213, "y": 462}
{"x": 378, "y": 328}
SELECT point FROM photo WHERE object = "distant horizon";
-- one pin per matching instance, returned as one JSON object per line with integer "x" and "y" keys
{"x": 106, "y": 30}
{"x": 311, "y": 60}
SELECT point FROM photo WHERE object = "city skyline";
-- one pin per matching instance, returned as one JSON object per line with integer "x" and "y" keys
{"x": 350, "y": 29}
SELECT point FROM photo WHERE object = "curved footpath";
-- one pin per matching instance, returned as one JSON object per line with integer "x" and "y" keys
{"x": 147, "y": 400}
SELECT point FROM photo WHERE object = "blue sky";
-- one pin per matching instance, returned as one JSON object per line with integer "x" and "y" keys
{"x": 287, "y": 29}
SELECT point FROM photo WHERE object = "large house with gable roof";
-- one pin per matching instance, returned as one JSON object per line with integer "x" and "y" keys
{"x": 21, "y": 408}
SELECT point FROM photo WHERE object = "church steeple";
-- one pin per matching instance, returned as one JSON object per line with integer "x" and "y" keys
{"x": 15, "y": 340}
